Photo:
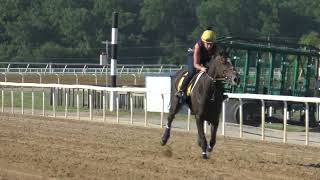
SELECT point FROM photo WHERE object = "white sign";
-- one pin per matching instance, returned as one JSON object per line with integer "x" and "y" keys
{"x": 156, "y": 86}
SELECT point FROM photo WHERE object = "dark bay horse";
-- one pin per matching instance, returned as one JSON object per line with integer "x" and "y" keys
{"x": 200, "y": 101}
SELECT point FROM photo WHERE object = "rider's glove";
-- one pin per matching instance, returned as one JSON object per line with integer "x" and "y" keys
{"x": 203, "y": 69}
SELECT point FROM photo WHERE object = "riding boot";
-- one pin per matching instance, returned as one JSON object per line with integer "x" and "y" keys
{"x": 181, "y": 94}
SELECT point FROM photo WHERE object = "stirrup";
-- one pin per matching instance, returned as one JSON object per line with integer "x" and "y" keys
{"x": 179, "y": 93}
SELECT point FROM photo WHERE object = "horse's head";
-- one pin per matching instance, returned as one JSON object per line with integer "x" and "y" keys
{"x": 220, "y": 67}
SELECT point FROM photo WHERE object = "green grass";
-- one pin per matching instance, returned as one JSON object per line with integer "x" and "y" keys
{"x": 290, "y": 128}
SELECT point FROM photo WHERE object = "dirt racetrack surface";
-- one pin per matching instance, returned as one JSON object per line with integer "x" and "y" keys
{"x": 47, "y": 148}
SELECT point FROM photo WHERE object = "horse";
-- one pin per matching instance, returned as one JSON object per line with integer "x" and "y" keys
{"x": 205, "y": 99}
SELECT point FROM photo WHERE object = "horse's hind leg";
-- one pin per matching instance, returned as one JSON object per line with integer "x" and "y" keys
{"x": 202, "y": 137}
{"x": 174, "y": 108}
{"x": 214, "y": 129}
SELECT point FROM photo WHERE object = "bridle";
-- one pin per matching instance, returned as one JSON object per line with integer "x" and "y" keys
{"x": 216, "y": 79}
{"x": 224, "y": 78}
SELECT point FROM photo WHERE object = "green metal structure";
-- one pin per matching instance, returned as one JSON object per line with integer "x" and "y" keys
{"x": 274, "y": 67}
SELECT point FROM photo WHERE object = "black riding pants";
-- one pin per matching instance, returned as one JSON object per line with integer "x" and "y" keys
{"x": 191, "y": 71}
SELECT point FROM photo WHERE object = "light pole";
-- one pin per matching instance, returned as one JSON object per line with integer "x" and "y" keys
{"x": 107, "y": 48}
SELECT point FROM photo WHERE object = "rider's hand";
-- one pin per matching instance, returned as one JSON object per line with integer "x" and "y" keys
{"x": 203, "y": 69}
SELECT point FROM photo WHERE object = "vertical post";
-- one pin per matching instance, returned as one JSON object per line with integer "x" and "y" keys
{"x": 223, "y": 118}
{"x": 241, "y": 118}
{"x": 2, "y": 99}
{"x": 114, "y": 42}
{"x": 162, "y": 109}
{"x": 285, "y": 109}
{"x": 131, "y": 109}
{"x": 283, "y": 70}
{"x": 307, "y": 123}
{"x": 145, "y": 110}
{"x": 103, "y": 105}
{"x": 263, "y": 108}
{"x": 43, "y": 103}
{"x": 12, "y": 109}
{"x": 317, "y": 114}
{"x": 295, "y": 75}
{"x": 246, "y": 71}
{"x": 66, "y": 105}
{"x": 271, "y": 67}
{"x": 22, "y": 108}
{"x": 90, "y": 105}
{"x": 32, "y": 101}
{"x": 78, "y": 104}
{"x": 258, "y": 71}
{"x": 2, "y": 93}
{"x": 117, "y": 103}
{"x": 306, "y": 80}
{"x": 54, "y": 102}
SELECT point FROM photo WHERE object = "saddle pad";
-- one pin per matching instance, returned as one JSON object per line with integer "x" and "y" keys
{"x": 192, "y": 82}
{"x": 181, "y": 80}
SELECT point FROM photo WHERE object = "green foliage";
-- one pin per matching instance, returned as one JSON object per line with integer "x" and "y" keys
{"x": 312, "y": 38}
{"x": 150, "y": 31}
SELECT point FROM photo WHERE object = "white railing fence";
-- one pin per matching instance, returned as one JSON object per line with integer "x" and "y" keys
{"x": 263, "y": 98}
{"x": 44, "y": 89}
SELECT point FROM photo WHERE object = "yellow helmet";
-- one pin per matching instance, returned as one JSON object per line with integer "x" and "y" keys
{"x": 208, "y": 36}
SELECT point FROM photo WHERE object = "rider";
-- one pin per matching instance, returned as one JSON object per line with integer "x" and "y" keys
{"x": 198, "y": 57}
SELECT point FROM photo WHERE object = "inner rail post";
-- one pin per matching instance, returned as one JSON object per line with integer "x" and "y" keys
{"x": 32, "y": 101}
{"x": 285, "y": 116}
{"x": 12, "y": 108}
{"x": 2, "y": 99}
{"x": 43, "y": 102}
{"x": 90, "y": 105}
{"x": 54, "y": 103}
{"x": 145, "y": 110}
{"x": 103, "y": 105}
{"x": 241, "y": 117}
{"x": 307, "y": 123}
{"x": 263, "y": 108}
{"x": 162, "y": 110}
{"x": 223, "y": 118}
{"x": 131, "y": 109}
{"x": 66, "y": 105}
{"x": 117, "y": 104}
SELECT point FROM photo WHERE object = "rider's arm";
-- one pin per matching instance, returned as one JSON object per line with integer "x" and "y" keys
{"x": 196, "y": 58}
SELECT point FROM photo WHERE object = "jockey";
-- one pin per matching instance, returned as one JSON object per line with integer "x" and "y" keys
{"x": 198, "y": 57}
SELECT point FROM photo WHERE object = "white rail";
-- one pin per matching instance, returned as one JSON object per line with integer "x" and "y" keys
{"x": 104, "y": 90}
{"x": 263, "y": 98}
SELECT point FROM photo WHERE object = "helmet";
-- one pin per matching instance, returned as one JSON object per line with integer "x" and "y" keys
{"x": 208, "y": 36}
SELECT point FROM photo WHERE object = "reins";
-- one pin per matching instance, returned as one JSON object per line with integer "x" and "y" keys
{"x": 216, "y": 79}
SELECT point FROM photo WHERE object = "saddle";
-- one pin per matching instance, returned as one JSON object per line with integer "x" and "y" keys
{"x": 191, "y": 84}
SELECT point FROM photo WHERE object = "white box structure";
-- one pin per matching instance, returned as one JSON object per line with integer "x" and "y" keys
{"x": 157, "y": 85}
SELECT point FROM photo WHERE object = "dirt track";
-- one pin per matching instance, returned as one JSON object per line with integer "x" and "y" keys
{"x": 46, "y": 148}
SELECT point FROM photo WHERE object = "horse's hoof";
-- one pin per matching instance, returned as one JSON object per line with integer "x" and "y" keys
{"x": 204, "y": 156}
{"x": 165, "y": 137}
{"x": 163, "y": 142}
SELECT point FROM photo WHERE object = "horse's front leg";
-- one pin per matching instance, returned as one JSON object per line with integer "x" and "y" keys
{"x": 201, "y": 137}
{"x": 214, "y": 129}
{"x": 174, "y": 108}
